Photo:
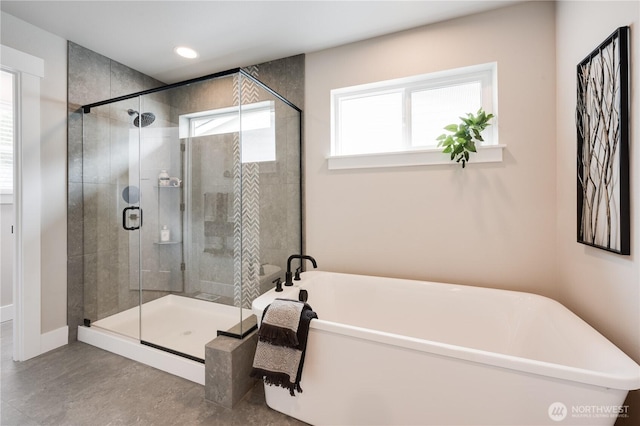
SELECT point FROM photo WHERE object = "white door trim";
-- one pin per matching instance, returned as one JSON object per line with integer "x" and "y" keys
{"x": 27, "y": 203}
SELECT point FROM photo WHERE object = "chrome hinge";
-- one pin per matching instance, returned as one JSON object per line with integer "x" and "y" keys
{"x": 183, "y": 267}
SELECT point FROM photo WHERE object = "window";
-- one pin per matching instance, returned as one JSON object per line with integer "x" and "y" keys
{"x": 403, "y": 117}
{"x": 369, "y": 123}
{"x": 7, "y": 105}
{"x": 256, "y": 125}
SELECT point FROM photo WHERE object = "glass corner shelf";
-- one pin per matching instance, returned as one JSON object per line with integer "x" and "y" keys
{"x": 164, "y": 243}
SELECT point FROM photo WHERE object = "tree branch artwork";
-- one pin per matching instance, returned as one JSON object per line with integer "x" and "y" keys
{"x": 602, "y": 121}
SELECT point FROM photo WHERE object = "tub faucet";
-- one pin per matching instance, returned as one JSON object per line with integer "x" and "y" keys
{"x": 289, "y": 274}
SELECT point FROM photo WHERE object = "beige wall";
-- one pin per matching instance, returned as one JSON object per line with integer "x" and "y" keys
{"x": 53, "y": 151}
{"x": 489, "y": 224}
{"x": 601, "y": 287}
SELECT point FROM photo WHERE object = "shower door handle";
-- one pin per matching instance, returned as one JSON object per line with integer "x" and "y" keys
{"x": 133, "y": 216}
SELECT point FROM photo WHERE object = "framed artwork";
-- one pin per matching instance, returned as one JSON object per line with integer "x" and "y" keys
{"x": 602, "y": 121}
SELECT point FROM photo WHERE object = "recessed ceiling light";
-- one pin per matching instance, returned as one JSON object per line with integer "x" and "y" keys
{"x": 186, "y": 52}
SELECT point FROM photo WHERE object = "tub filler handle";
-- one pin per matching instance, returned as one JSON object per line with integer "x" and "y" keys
{"x": 278, "y": 283}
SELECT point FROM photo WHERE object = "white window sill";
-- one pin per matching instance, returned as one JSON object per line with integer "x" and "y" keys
{"x": 426, "y": 157}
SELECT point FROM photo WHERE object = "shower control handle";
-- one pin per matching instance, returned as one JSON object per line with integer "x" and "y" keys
{"x": 132, "y": 216}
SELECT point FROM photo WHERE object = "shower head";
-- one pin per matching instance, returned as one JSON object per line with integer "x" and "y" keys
{"x": 146, "y": 118}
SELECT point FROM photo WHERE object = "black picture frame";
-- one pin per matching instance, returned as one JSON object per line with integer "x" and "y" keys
{"x": 602, "y": 122}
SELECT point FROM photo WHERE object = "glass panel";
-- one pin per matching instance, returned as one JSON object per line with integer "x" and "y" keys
{"x": 371, "y": 124}
{"x": 271, "y": 227}
{"x": 161, "y": 179}
{"x": 211, "y": 153}
{"x": 433, "y": 109}
{"x": 111, "y": 204}
{"x": 280, "y": 230}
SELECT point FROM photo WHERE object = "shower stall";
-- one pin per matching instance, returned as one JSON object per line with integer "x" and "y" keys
{"x": 195, "y": 188}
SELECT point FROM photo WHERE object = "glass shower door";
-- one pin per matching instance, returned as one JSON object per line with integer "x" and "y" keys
{"x": 111, "y": 217}
{"x": 164, "y": 313}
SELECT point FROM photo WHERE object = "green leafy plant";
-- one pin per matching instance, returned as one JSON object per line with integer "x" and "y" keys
{"x": 464, "y": 136}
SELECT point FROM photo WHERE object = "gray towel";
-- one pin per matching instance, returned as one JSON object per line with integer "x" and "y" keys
{"x": 282, "y": 342}
{"x": 280, "y": 323}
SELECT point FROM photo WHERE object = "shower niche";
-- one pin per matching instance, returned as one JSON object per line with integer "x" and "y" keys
{"x": 197, "y": 199}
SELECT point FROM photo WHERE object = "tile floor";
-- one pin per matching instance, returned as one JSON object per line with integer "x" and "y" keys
{"x": 80, "y": 385}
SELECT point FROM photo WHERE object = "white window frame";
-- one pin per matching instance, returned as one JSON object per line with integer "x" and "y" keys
{"x": 490, "y": 151}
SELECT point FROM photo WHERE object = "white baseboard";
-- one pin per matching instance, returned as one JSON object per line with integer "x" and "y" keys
{"x": 54, "y": 339}
{"x": 6, "y": 313}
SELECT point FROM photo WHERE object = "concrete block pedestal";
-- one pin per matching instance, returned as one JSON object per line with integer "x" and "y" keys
{"x": 228, "y": 363}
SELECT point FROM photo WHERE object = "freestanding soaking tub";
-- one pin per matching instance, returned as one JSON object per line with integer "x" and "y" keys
{"x": 401, "y": 352}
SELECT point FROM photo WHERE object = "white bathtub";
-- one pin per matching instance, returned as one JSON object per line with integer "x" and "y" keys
{"x": 401, "y": 352}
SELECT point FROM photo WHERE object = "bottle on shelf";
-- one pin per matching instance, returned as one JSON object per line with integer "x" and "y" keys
{"x": 165, "y": 234}
{"x": 163, "y": 178}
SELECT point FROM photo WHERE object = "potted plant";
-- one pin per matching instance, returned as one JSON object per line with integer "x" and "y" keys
{"x": 464, "y": 136}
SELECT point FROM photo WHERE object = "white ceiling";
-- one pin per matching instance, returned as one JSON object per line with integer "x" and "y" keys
{"x": 227, "y": 34}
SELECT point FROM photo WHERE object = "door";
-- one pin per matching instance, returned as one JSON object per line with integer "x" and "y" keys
{"x": 111, "y": 216}
{"x": 161, "y": 182}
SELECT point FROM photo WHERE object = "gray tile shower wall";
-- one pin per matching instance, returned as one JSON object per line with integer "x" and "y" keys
{"x": 99, "y": 269}
{"x": 286, "y": 77}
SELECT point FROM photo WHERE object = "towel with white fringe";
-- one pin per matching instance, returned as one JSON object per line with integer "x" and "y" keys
{"x": 282, "y": 343}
